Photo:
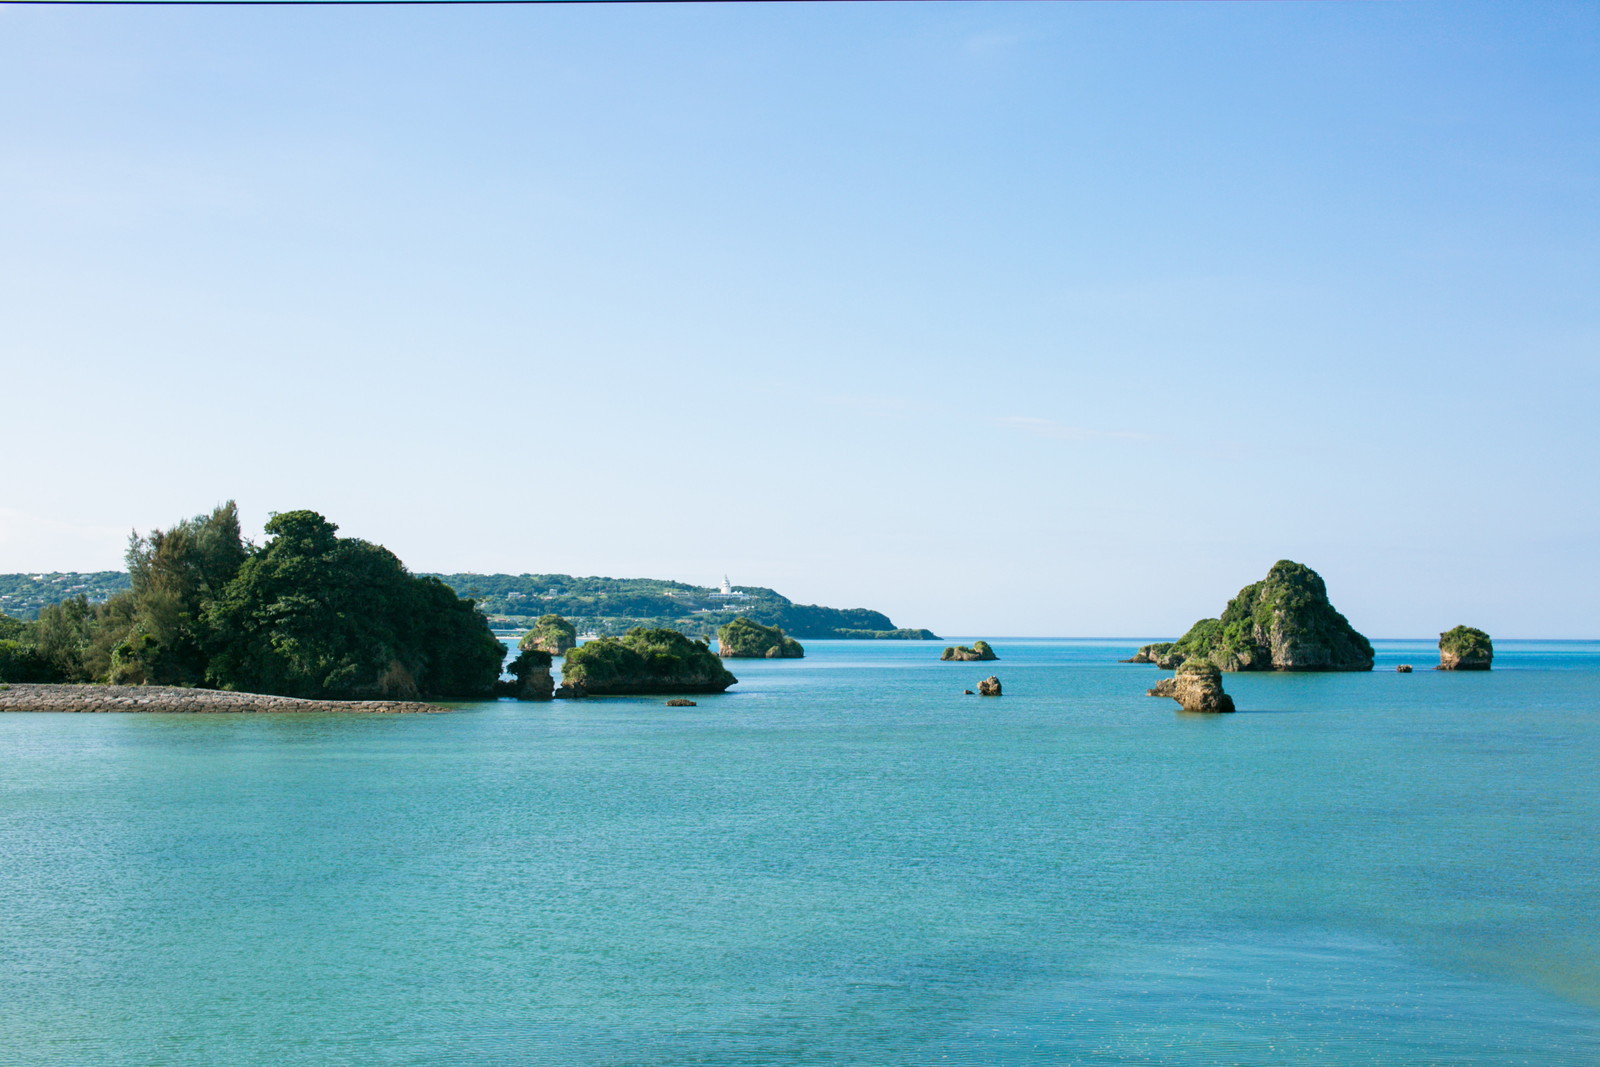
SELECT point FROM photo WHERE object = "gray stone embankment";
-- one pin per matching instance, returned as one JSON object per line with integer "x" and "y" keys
{"x": 150, "y": 698}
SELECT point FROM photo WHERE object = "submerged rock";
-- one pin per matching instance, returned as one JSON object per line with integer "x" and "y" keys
{"x": 977, "y": 651}
{"x": 681, "y": 703}
{"x": 1284, "y": 622}
{"x": 1465, "y": 649}
{"x": 989, "y": 687}
{"x": 1196, "y": 687}
{"x": 744, "y": 638}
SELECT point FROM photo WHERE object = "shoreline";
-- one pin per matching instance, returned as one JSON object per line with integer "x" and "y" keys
{"x": 68, "y": 697}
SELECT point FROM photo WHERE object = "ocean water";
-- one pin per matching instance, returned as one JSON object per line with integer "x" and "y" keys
{"x": 843, "y": 860}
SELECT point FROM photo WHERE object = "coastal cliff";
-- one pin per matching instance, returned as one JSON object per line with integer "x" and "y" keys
{"x": 1284, "y": 622}
{"x": 744, "y": 638}
{"x": 1465, "y": 648}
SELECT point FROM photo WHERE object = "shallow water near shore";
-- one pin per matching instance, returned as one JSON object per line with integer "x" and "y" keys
{"x": 841, "y": 860}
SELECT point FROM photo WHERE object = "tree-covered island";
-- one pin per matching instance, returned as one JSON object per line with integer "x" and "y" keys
{"x": 643, "y": 661}
{"x": 552, "y": 634}
{"x": 747, "y": 639}
{"x": 1465, "y": 648}
{"x": 1284, "y": 622}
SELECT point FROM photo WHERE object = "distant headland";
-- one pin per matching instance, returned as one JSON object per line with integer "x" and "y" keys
{"x": 517, "y": 601}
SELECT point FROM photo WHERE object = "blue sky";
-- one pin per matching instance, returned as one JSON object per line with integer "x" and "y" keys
{"x": 1001, "y": 318}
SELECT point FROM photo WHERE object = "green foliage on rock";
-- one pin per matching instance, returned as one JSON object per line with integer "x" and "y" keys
{"x": 552, "y": 634}
{"x": 747, "y": 639}
{"x": 1284, "y": 622}
{"x": 1465, "y": 648}
{"x": 645, "y": 661}
{"x": 977, "y": 651}
{"x": 530, "y": 672}
{"x": 317, "y": 615}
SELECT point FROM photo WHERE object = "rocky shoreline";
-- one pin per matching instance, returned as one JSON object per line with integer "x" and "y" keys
{"x": 162, "y": 699}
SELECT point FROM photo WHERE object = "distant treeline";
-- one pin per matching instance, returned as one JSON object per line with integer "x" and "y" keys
{"x": 605, "y": 605}
{"x": 613, "y": 605}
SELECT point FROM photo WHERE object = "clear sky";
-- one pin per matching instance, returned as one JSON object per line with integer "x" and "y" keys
{"x": 1000, "y": 318}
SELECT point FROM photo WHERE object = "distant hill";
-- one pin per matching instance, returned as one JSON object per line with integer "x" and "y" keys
{"x": 612, "y": 605}
{"x": 22, "y": 595}
{"x": 606, "y": 605}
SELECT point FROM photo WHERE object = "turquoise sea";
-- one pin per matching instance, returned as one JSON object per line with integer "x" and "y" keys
{"x": 841, "y": 861}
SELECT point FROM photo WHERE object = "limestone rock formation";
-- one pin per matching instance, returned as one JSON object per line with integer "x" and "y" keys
{"x": 976, "y": 652}
{"x": 643, "y": 661}
{"x": 530, "y": 673}
{"x": 1465, "y": 649}
{"x": 745, "y": 638}
{"x": 552, "y": 634}
{"x": 1282, "y": 623}
{"x": 989, "y": 687}
{"x": 1404, "y": 668}
{"x": 681, "y": 703}
{"x": 1155, "y": 653}
{"x": 1197, "y": 687}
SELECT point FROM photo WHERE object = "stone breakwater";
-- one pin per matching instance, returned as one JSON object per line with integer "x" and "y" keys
{"x": 29, "y": 697}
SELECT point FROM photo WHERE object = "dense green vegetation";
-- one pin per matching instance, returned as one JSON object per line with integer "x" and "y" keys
{"x": 530, "y": 674}
{"x": 308, "y": 614}
{"x": 1283, "y": 622}
{"x": 747, "y": 639}
{"x": 645, "y": 661}
{"x": 1465, "y": 648}
{"x": 610, "y": 605}
{"x": 552, "y": 634}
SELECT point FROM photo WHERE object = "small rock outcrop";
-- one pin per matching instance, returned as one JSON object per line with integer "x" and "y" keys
{"x": 530, "y": 676}
{"x": 1284, "y": 622}
{"x": 552, "y": 634}
{"x": 989, "y": 687}
{"x": 643, "y": 661}
{"x": 976, "y": 652}
{"x": 1196, "y": 687}
{"x": 1154, "y": 653}
{"x": 1465, "y": 649}
{"x": 1404, "y": 668}
{"x": 681, "y": 703}
{"x": 744, "y": 638}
